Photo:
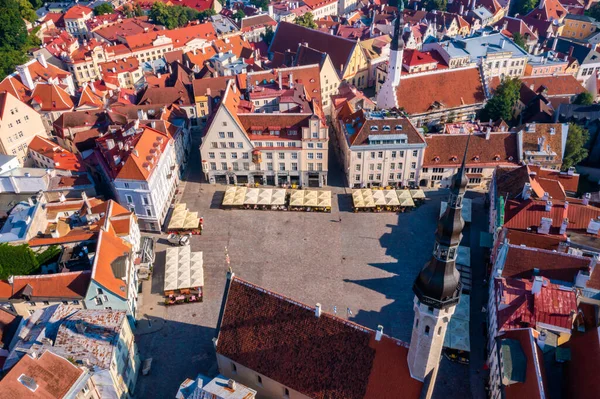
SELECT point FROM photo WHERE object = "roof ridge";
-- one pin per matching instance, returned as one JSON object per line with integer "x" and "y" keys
{"x": 40, "y": 276}
{"x": 547, "y": 251}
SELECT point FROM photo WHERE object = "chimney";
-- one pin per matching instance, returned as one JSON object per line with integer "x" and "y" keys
{"x": 545, "y": 225}
{"x": 593, "y": 227}
{"x": 570, "y": 50}
{"x": 548, "y": 206}
{"x": 566, "y": 205}
{"x": 505, "y": 26}
{"x": 62, "y": 197}
{"x": 571, "y": 171}
{"x": 586, "y": 198}
{"x": 582, "y": 278}
{"x": 541, "y": 4}
{"x": 280, "y": 84}
{"x": 564, "y": 225}
{"x": 318, "y": 310}
{"x": 460, "y": 11}
{"x": 554, "y": 43}
{"x": 231, "y": 382}
{"x": 25, "y": 76}
{"x": 502, "y": 42}
{"x": 379, "y": 333}
{"x": 488, "y": 132}
{"x": 546, "y": 197}
{"x": 41, "y": 59}
{"x": 291, "y": 83}
{"x": 110, "y": 144}
{"x": 542, "y": 340}
{"x": 526, "y": 194}
{"x": 536, "y": 287}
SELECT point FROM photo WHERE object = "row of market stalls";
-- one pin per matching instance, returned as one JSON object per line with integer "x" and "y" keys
{"x": 184, "y": 221}
{"x": 184, "y": 276}
{"x": 277, "y": 199}
{"x": 375, "y": 200}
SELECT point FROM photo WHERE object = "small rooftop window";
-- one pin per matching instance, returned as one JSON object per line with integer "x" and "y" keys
{"x": 374, "y": 128}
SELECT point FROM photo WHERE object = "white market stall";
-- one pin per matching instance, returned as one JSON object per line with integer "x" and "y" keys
{"x": 184, "y": 275}
{"x": 183, "y": 221}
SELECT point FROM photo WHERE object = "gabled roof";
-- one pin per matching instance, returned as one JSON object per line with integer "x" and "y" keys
{"x": 533, "y": 240}
{"x": 138, "y": 167}
{"x": 556, "y": 85}
{"x": 445, "y": 150}
{"x": 321, "y": 357}
{"x": 548, "y": 10}
{"x": 446, "y": 89}
{"x": 89, "y": 99}
{"x": 361, "y": 124}
{"x": 581, "y": 372}
{"x": 59, "y": 286}
{"x": 63, "y": 159}
{"x": 77, "y": 12}
{"x": 256, "y": 21}
{"x": 52, "y": 375}
{"x": 109, "y": 249}
{"x": 51, "y": 97}
{"x": 179, "y": 36}
{"x": 288, "y": 36}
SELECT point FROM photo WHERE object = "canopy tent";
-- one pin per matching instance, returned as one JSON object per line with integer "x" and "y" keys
{"x": 234, "y": 196}
{"x": 417, "y": 194}
{"x": 297, "y": 198}
{"x": 183, "y": 269}
{"x": 378, "y": 197}
{"x": 251, "y": 197}
{"x": 311, "y": 198}
{"x": 406, "y": 202}
{"x": 324, "y": 199}
{"x": 182, "y": 219}
{"x": 363, "y": 198}
{"x": 229, "y": 196}
{"x": 402, "y": 194}
{"x": 264, "y": 196}
{"x": 391, "y": 199}
{"x": 278, "y": 197}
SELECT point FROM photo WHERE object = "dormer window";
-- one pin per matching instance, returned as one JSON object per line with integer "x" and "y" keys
{"x": 436, "y": 158}
{"x": 496, "y": 157}
{"x": 398, "y": 127}
{"x": 386, "y": 128}
{"x": 374, "y": 128}
{"x": 476, "y": 158}
{"x": 454, "y": 158}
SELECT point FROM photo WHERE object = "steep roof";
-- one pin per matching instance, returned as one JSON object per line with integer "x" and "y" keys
{"x": 109, "y": 249}
{"x": 288, "y": 36}
{"x": 179, "y": 36}
{"x": 63, "y": 159}
{"x": 71, "y": 285}
{"x": 541, "y": 241}
{"x": 77, "y": 12}
{"x": 361, "y": 124}
{"x": 582, "y": 371}
{"x": 89, "y": 98}
{"x": 52, "y": 374}
{"x": 556, "y": 85}
{"x": 446, "y": 89}
{"x": 256, "y": 21}
{"x": 321, "y": 357}
{"x": 51, "y": 97}
{"x": 445, "y": 150}
{"x": 554, "y": 136}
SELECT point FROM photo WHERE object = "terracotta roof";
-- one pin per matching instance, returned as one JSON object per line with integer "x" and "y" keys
{"x": 288, "y": 36}
{"x": 307, "y": 75}
{"x": 559, "y": 85}
{"x": 581, "y": 372}
{"x": 569, "y": 182}
{"x": 9, "y": 323}
{"x": 556, "y": 266}
{"x": 72, "y": 285}
{"x": 534, "y": 385}
{"x": 447, "y": 150}
{"x": 216, "y": 86}
{"x": 261, "y": 122}
{"x": 53, "y": 375}
{"x": 109, "y": 249}
{"x": 549, "y": 10}
{"x": 257, "y": 21}
{"x": 124, "y": 28}
{"x": 75, "y": 235}
{"x": 360, "y": 125}
{"x": 63, "y": 159}
{"x": 138, "y": 167}
{"x": 89, "y": 99}
{"x": 518, "y": 307}
{"x": 179, "y": 36}
{"x": 447, "y": 89}
{"x": 533, "y": 240}
{"x": 50, "y": 98}
{"x": 77, "y": 12}
{"x": 321, "y": 357}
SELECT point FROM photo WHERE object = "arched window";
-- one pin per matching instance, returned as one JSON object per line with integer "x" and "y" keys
{"x": 416, "y": 323}
{"x": 427, "y": 330}
{"x": 440, "y": 331}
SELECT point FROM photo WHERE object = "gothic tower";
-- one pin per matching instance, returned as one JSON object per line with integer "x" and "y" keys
{"x": 387, "y": 97}
{"x": 437, "y": 287}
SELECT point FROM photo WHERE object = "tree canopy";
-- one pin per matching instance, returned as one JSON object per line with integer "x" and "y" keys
{"x": 440, "y": 5}
{"x": 307, "y": 20}
{"x": 594, "y": 11}
{"x": 585, "y": 98}
{"x": 502, "y": 103}
{"x": 575, "y": 150}
{"x": 268, "y": 35}
{"x": 20, "y": 260}
{"x": 262, "y": 4}
{"x": 26, "y": 10}
{"x": 519, "y": 40}
{"x": 104, "y": 8}
{"x": 176, "y": 16}
{"x": 523, "y": 7}
{"x": 239, "y": 15}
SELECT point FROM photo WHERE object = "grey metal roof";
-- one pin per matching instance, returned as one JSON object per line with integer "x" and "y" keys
{"x": 481, "y": 45}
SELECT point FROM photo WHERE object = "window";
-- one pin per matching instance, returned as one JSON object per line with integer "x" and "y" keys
{"x": 286, "y": 393}
{"x": 259, "y": 380}
{"x": 224, "y": 165}
{"x": 270, "y": 166}
{"x": 416, "y": 323}
{"x": 236, "y": 166}
{"x": 239, "y": 145}
{"x": 149, "y": 212}
{"x": 229, "y": 135}
{"x": 401, "y": 154}
{"x": 398, "y": 176}
{"x": 222, "y": 145}
{"x": 357, "y": 167}
{"x": 319, "y": 166}
{"x": 311, "y": 166}
{"x": 412, "y": 175}
{"x": 319, "y": 145}
{"x": 372, "y": 154}
{"x": 310, "y": 155}
{"x": 233, "y": 368}
{"x": 391, "y": 176}
{"x": 211, "y": 155}
{"x": 234, "y": 155}
{"x": 319, "y": 155}
{"x": 359, "y": 155}
{"x": 311, "y": 145}
{"x": 294, "y": 166}
{"x": 427, "y": 330}
{"x": 213, "y": 166}
{"x": 357, "y": 177}
{"x": 378, "y": 176}
{"x": 294, "y": 155}
{"x": 438, "y": 170}
{"x": 269, "y": 155}
{"x": 413, "y": 165}
{"x": 440, "y": 330}
{"x": 245, "y": 155}
{"x": 380, "y": 154}
{"x": 32, "y": 304}
{"x": 415, "y": 153}
{"x": 129, "y": 199}
{"x": 145, "y": 200}
{"x": 224, "y": 123}
{"x": 75, "y": 302}
{"x": 223, "y": 155}
{"x": 474, "y": 180}
{"x": 214, "y": 144}
{"x": 221, "y": 135}
{"x": 379, "y": 166}
{"x": 98, "y": 301}
{"x": 126, "y": 185}
{"x": 282, "y": 166}
{"x": 281, "y": 155}
{"x": 246, "y": 166}
{"x": 231, "y": 144}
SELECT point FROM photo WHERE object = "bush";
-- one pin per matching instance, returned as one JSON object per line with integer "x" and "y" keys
{"x": 17, "y": 260}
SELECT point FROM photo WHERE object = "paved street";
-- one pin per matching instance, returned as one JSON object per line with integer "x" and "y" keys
{"x": 366, "y": 262}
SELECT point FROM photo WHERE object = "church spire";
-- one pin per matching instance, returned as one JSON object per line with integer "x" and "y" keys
{"x": 438, "y": 283}
{"x": 397, "y": 40}
{"x": 387, "y": 97}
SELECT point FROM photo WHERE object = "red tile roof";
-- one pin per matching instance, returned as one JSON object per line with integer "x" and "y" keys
{"x": 535, "y": 385}
{"x": 559, "y": 85}
{"x": 50, "y": 98}
{"x": 445, "y": 150}
{"x": 77, "y": 12}
{"x": 446, "y": 89}
{"x": 581, "y": 371}
{"x": 557, "y": 266}
{"x": 569, "y": 182}
{"x": 109, "y": 249}
{"x": 258, "y": 21}
{"x": 321, "y": 357}
{"x": 62, "y": 158}
{"x": 54, "y": 376}
{"x": 534, "y": 240}
{"x": 179, "y": 36}
{"x": 360, "y": 126}
{"x": 72, "y": 285}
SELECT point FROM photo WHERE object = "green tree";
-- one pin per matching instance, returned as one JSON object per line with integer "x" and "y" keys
{"x": 206, "y": 14}
{"x": 440, "y": 5}
{"x": 575, "y": 150}
{"x": 175, "y": 16}
{"x": 16, "y": 260}
{"x": 594, "y": 11}
{"x": 104, "y": 8}
{"x": 13, "y": 33}
{"x": 525, "y": 6}
{"x": 585, "y": 98}
{"x": 35, "y": 4}
{"x": 502, "y": 103}
{"x": 239, "y": 15}
{"x": 9, "y": 59}
{"x": 26, "y": 10}
{"x": 519, "y": 40}
{"x": 137, "y": 10}
{"x": 307, "y": 20}
{"x": 262, "y": 4}
{"x": 268, "y": 35}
